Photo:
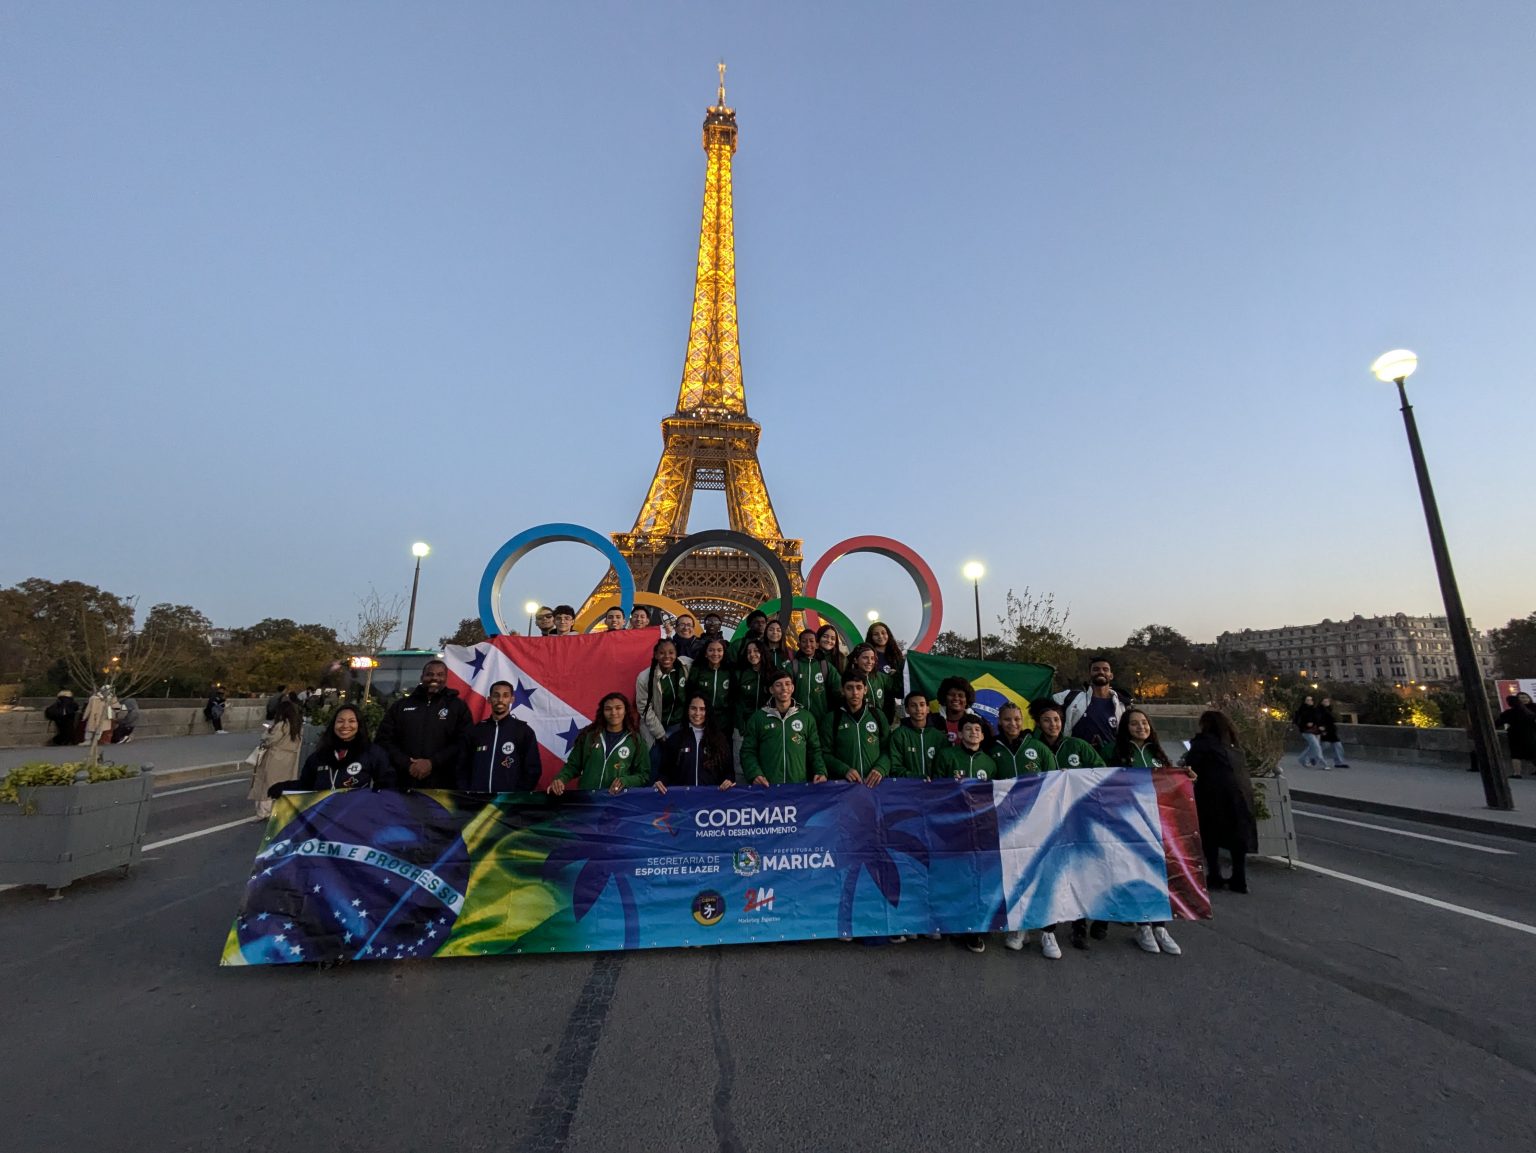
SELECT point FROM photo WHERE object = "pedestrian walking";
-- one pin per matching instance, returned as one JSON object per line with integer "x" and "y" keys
{"x": 1329, "y": 732}
{"x": 1308, "y": 719}
{"x": 1223, "y": 800}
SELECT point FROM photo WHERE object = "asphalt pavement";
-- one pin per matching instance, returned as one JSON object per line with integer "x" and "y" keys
{"x": 165, "y": 753}
{"x": 1380, "y": 1003}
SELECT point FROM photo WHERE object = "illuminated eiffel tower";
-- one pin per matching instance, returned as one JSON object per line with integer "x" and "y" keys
{"x": 710, "y": 443}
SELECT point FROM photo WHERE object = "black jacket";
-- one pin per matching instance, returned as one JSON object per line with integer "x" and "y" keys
{"x": 500, "y": 757}
{"x": 686, "y": 762}
{"x": 359, "y": 769}
{"x": 1328, "y": 723}
{"x": 432, "y": 728}
{"x": 1307, "y": 718}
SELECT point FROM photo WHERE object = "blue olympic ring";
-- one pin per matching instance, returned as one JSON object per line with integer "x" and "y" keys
{"x": 528, "y": 540}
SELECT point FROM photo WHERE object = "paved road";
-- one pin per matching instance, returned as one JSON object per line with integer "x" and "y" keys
{"x": 1316, "y": 1012}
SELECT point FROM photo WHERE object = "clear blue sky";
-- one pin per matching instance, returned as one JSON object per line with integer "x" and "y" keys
{"x": 1085, "y": 291}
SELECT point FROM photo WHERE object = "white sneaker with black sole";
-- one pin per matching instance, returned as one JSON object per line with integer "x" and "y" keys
{"x": 1165, "y": 941}
{"x": 1145, "y": 940}
{"x": 1049, "y": 949}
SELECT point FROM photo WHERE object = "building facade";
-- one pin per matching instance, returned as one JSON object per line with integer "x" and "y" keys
{"x": 1400, "y": 649}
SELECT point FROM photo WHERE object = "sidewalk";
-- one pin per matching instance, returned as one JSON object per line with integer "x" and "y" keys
{"x": 1443, "y": 796}
{"x": 167, "y": 754}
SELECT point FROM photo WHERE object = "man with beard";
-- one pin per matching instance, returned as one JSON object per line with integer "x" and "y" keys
{"x": 1093, "y": 714}
{"x": 423, "y": 733}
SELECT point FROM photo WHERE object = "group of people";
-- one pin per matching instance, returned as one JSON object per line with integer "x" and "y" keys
{"x": 1319, "y": 730}
{"x": 712, "y": 713}
{"x": 105, "y": 718}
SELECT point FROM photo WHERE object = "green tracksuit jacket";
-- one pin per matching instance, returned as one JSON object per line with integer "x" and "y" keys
{"x": 817, "y": 685}
{"x": 913, "y": 749}
{"x": 590, "y": 768}
{"x": 1032, "y": 756}
{"x": 715, "y": 684}
{"x": 1076, "y": 753}
{"x": 784, "y": 749}
{"x": 855, "y": 741}
{"x": 1142, "y": 758}
{"x": 748, "y": 691}
{"x": 954, "y": 759}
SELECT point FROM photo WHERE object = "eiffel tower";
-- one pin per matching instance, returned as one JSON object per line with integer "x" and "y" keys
{"x": 710, "y": 443}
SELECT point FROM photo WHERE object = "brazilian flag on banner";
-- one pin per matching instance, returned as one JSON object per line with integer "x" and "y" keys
{"x": 997, "y": 683}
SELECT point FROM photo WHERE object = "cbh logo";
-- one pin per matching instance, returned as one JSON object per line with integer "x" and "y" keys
{"x": 759, "y": 900}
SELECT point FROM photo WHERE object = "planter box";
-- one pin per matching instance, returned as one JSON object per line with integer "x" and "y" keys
{"x": 1277, "y": 834}
{"x": 60, "y": 833}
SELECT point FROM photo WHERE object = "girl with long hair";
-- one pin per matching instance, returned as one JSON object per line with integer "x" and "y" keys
{"x": 1223, "y": 800}
{"x": 878, "y": 637}
{"x": 698, "y": 755}
{"x": 608, "y": 753}
{"x": 711, "y": 676}
{"x": 829, "y": 647}
{"x": 659, "y": 697}
{"x": 277, "y": 757}
{"x": 1137, "y": 747}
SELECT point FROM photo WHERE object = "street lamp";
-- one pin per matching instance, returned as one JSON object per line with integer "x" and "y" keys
{"x": 973, "y": 572}
{"x": 418, "y": 550}
{"x": 872, "y": 615}
{"x": 530, "y": 607}
{"x": 1397, "y": 366}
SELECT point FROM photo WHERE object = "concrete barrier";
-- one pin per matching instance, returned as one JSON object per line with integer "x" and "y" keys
{"x": 27, "y": 728}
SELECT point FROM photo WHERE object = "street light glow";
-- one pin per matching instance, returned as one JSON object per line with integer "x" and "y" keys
{"x": 420, "y": 549}
{"x": 530, "y": 607}
{"x": 873, "y": 615}
{"x": 1395, "y": 365}
{"x": 974, "y": 570}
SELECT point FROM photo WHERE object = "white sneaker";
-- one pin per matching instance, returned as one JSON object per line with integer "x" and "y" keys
{"x": 1014, "y": 940}
{"x": 1049, "y": 949}
{"x": 1165, "y": 941}
{"x": 1145, "y": 939}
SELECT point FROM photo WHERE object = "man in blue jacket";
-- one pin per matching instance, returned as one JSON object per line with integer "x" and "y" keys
{"x": 501, "y": 754}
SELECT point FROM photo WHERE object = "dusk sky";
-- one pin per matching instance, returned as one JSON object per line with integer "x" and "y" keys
{"x": 1088, "y": 292}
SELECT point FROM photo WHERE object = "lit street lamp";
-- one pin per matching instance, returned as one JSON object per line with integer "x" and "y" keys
{"x": 973, "y": 572}
{"x": 530, "y": 607}
{"x": 872, "y": 615}
{"x": 418, "y": 550}
{"x": 1397, "y": 366}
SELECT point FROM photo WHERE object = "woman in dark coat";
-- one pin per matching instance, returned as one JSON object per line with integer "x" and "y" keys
{"x": 1520, "y": 719}
{"x": 699, "y": 753}
{"x": 1223, "y": 799}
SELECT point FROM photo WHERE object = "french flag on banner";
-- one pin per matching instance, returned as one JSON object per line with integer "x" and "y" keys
{"x": 556, "y": 681}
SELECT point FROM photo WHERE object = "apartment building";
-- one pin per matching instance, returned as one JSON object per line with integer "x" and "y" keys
{"x": 1398, "y": 648}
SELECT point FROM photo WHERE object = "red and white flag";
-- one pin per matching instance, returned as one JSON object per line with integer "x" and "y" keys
{"x": 556, "y": 681}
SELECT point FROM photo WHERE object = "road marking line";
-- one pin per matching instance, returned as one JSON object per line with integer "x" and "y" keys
{"x": 1403, "y": 833}
{"x": 194, "y": 788}
{"x": 1477, "y": 914}
{"x": 200, "y": 833}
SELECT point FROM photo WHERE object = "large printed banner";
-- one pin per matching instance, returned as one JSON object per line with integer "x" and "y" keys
{"x": 387, "y": 876}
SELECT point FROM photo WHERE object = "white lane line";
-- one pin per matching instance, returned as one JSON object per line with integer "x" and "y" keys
{"x": 200, "y": 833}
{"x": 213, "y": 785}
{"x": 1477, "y": 914}
{"x": 1403, "y": 833}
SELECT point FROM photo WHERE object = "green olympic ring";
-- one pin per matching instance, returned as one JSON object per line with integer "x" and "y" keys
{"x": 831, "y": 612}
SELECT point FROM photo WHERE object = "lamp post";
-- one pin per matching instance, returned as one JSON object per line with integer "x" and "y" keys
{"x": 1397, "y": 366}
{"x": 973, "y": 572}
{"x": 530, "y": 607}
{"x": 418, "y": 550}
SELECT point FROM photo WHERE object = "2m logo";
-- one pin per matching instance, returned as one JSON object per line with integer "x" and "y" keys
{"x": 759, "y": 900}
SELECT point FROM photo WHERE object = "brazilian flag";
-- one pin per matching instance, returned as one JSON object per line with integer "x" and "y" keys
{"x": 997, "y": 683}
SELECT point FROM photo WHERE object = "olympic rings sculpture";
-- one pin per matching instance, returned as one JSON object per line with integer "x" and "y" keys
{"x": 915, "y": 566}
{"x": 525, "y": 542}
{"x": 725, "y": 538}
{"x": 784, "y": 605}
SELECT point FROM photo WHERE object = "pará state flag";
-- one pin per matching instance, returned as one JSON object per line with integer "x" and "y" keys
{"x": 997, "y": 683}
{"x": 556, "y": 681}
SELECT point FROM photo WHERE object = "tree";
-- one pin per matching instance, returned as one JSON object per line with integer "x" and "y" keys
{"x": 469, "y": 632}
{"x": 1514, "y": 647}
{"x": 277, "y": 652}
{"x": 952, "y": 644}
{"x": 376, "y": 619}
{"x": 47, "y": 623}
{"x": 1035, "y": 632}
{"x": 181, "y": 632}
